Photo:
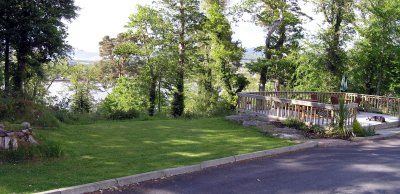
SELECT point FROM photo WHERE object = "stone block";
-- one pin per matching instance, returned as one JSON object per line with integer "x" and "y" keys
{"x": 182, "y": 170}
{"x": 140, "y": 178}
{"x": 250, "y": 156}
{"x": 216, "y": 162}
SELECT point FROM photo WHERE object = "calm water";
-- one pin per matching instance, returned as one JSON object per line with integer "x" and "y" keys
{"x": 61, "y": 89}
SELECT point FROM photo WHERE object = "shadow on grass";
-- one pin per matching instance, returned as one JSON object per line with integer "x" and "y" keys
{"x": 109, "y": 150}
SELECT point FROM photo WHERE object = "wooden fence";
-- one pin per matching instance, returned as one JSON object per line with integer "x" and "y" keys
{"x": 314, "y": 108}
{"x": 367, "y": 103}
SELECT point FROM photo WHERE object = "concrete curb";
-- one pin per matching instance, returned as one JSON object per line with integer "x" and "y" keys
{"x": 91, "y": 187}
{"x": 385, "y": 125}
{"x": 376, "y": 137}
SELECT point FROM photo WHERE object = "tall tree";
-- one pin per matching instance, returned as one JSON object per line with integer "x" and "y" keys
{"x": 375, "y": 56}
{"x": 339, "y": 14}
{"x": 7, "y": 20}
{"x": 117, "y": 55}
{"x": 152, "y": 34}
{"x": 225, "y": 54}
{"x": 186, "y": 17}
{"x": 280, "y": 19}
{"x": 38, "y": 33}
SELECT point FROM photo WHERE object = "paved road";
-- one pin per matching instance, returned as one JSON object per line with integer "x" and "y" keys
{"x": 372, "y": 167}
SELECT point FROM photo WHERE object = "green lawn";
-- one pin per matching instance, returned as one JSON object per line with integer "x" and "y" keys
{"x": 113, "y": 149}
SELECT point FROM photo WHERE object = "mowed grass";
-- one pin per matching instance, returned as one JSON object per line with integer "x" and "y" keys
{"x": 114, "y": 149}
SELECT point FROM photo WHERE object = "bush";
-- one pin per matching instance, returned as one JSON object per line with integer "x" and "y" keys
{"x": 46, "y": 119}
{"x": 82, "y": 101}
{"x": 357, "y": 129}
{"x": 21, "y": 110}
{"x": 126, "y": 100}
{"x": 317, "y": 129}
{"x": 122, "y": 114}
{"x": 293, "y": 123}
{"x": 67, "y": 117}
{"x": 370, "y": 131}
{"x": 46, "y": 149}
{"x": 50, "y": 149}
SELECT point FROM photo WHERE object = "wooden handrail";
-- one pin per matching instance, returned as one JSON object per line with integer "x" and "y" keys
{"x": 316, "y": 109}
{"x": 370, "y": 103}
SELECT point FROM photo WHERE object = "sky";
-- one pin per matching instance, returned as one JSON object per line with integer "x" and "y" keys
{"x": 98, "y": 18}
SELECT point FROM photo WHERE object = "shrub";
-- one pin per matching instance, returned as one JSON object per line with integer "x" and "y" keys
{"x": 50, "y": 149}
{"x": 82, "y": 101}
{"x": 21, "y": 110}
{"x": 46, "y": 149}
{"x": 316, "y": 129}
{"x": 293, "y": 123}
{"x": 370, "y": 131}
{"x": 357, "y": 129}
{"x": 46, "y": 119}
{"x": 122, "y": 114}
{"x": 67, "y": 117}
{"x": 24, "y": 152}
{"x": 126, "y": 100}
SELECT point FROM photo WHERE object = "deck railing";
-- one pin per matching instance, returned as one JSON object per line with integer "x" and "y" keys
{"x": 314, "y": 108}
{"x": 368, "y": 103}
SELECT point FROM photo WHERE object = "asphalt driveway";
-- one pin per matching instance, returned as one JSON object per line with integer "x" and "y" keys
{"x": 372, "y": 167}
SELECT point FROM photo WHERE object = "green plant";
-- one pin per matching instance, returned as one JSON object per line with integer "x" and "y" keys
{"x": 317, "y": 129}
{"x": 340, "y": 116}
{"x": 82, "y": 100}
{"x": 370, "y": 131}
{"x": 122, "y": 114}
{"x": 46, "y": 119}
{"x": 50, "y": 149}
{"x": 25, "y": 152}
{"x": 293, "y": 123}
{"x": 357, "y": 129}
{"x": 125, "y": 101}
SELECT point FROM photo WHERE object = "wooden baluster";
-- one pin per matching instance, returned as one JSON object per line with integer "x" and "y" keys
{"x": 315, "y": 114}
{"x": 398, "y": 106}
{"x": 253, "y": 102}
{"x": 240, "y": 102}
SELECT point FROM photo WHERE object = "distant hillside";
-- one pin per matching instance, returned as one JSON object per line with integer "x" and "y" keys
{"x": 84, "y": 57}
{"x": 250, "y": 55}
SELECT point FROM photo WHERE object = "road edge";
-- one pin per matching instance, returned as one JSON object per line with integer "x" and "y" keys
{"x": 376, "y": 137}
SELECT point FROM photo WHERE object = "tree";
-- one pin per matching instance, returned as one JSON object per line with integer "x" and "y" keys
{"x": 118, "y": 55}
{"x": 281, "y": 20}
{"x": 339, "y": 14}
{"x": 6, "y": 30}
{"x": 224, "y": 54}
{"x": 83, "y": 81}
{"x": 38, "y": 33}
{"x": 185, "y": 17}
{"x": 152, "y": 35}
{"x": 375, "y": 56}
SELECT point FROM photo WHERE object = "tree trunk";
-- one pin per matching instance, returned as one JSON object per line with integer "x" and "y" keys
{"x": 20, "y": 74}
{"x": 267, "y": 54}
{"x": 159, "y": 92}
{"x": 152, "y": 92}
{"x": 263, "y": 79}
{"x": 7, "y": 65}
{"x": 178, "y": 102}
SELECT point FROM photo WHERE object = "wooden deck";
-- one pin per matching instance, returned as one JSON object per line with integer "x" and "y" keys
{"x": 316, "y": 108}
